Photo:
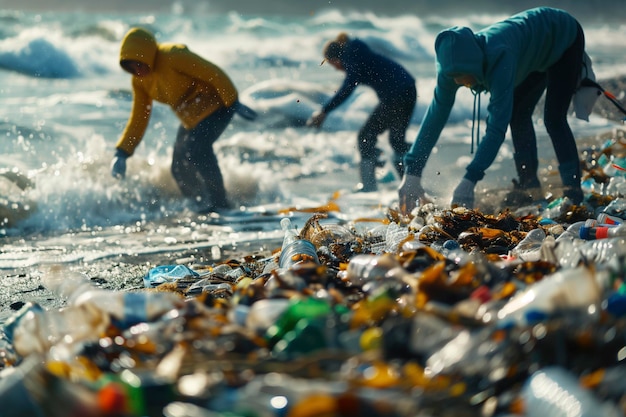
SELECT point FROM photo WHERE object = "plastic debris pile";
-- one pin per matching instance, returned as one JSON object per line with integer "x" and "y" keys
{"x": 439, "y": 313}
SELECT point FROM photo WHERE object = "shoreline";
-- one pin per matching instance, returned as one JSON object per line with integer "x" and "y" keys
{"x": 125, "y": 271}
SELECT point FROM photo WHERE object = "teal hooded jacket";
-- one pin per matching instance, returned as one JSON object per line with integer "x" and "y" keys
{"x": 500, "y": 57}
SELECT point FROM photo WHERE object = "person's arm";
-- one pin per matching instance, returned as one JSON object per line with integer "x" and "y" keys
{"x": 137, "y": 122}
{"x": 411, "y": 192}
{"x": 433, "y": 123}
{"x": 346, "y": 89}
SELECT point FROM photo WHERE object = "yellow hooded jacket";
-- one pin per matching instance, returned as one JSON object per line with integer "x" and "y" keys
{"x": 193, "y": 87}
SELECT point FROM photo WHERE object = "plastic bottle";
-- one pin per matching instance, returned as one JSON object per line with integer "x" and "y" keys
{"x": 616, "y": 186}
{"x": 300, "y": 309}
{"x": 615, "y": 167}
{"x": 37, "y": 330}
{"x": 471, "y": 352}
{"x": 603, "y": 251}
{"x": 394, "y": 236}
{"x": 578, "y": 288}
{"x": 363, "y": 268}
{"x": 572, "y": 231}
{"x": 602, "y": 232}
{"x": 167, "y": 273}
{"x": 263, "y": 313}
{"x": 557, "y": 208}
{"x": 556, "y": 392}
{"x": 294, "y": 249}
{"x": 617, "y": 207}
{"x": 528, "y": 249}
{"x": 125, "y": 308}
{"x": 604, "y": 218}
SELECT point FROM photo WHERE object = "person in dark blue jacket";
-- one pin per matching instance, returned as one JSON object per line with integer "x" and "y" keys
{"x": 396, "y": 92}
{"x": 515, "y": 60}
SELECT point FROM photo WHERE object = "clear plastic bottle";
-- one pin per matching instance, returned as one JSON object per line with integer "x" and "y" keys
{"x": 602, "y": 232}
{"x": 604, "y": 218}
{"x": 264, "y": 313}
{"x": 616, "y": 185}
{"x": 528, "y": 249}
{"x": 294, "y": 249}
{"x": 167, "y": 273}
{"x": 556, "y": 392}
{"x": 394, "y": 236}
{"x": 572, "y": 231}
{"x": 125, "y": 308}
{"x": 37, "y": 330}
{"x": 603, "y": 251}
{"x": 616, "y": 167}
{"x": 557, "y": 208}
{"x": 363, "y": 268}
{"x": 578, "y": 288}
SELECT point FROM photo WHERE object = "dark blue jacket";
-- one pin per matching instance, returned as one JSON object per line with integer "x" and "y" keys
{"x": 389, "y": 79}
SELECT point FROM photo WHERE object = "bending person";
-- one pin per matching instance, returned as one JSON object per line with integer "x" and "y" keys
{"x": 515, "y": 60}
{"x": 203, "y": 98}
{"x": 396, "y": 92}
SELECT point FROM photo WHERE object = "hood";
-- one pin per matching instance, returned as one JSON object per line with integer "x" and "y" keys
{"x": 458, "y": 52}
{"x": 139, "y": 45}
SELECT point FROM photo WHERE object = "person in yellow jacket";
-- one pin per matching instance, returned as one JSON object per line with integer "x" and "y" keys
{"x": 201, "y": 95}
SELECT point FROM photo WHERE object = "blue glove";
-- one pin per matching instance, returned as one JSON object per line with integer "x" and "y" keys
{"x": 464, "y": 194}
{"x": 244, "y": 111}
{"x": 118, "y": 165}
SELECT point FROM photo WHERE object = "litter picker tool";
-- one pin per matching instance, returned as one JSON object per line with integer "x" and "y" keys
{"x": 590, "y": 83}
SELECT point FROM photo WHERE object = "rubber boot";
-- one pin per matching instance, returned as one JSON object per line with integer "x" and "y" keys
{"x": 368, "y": 175}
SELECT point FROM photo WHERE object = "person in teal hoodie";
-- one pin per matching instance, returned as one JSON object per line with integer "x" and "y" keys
{"x": 515, "y": 60}
{"x": 397, "y": 96}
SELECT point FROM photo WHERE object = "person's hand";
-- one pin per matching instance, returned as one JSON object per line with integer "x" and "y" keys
{"x": 118, "y": 165}
{"x": 410, "y": 193}
{"x": 316, "y": 120}
{"x": 245, "y": 111}
{"x": 464, "y": 194}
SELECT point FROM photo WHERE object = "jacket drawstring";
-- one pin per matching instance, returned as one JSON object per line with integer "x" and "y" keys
{"x": 475, "y": 119}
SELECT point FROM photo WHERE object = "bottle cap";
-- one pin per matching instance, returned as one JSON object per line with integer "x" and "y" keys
{"x": 535, "y": 316}
{"x": 584, "y": 233}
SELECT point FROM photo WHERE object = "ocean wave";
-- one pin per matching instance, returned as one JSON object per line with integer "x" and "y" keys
{"x": 37, "y": 57}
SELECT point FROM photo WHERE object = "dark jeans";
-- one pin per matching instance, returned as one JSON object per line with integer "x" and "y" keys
{"x": 194, "y": 165}
{"x": 559, "y": 83}
{"x": 394, "y": 116}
